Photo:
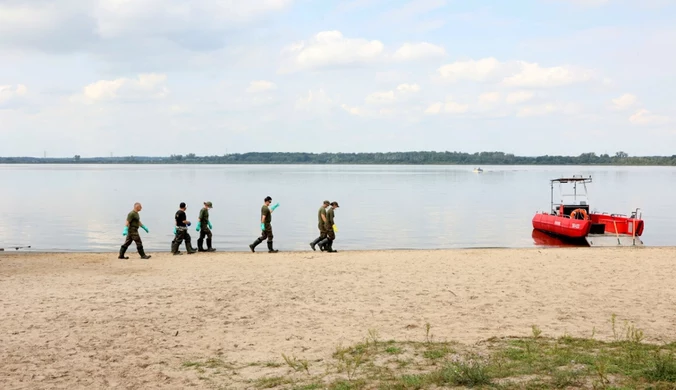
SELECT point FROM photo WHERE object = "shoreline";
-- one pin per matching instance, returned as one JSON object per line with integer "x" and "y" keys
{"x": 262, "y": 250}
{"x": 76, "y": 320}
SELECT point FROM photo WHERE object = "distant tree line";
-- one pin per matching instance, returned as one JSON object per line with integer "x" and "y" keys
{"x": 392, "y": 158}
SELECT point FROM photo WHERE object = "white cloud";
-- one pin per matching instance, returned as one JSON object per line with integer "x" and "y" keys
{"x": 624, "y": 102}
{"x": 519, "y": 97}
{"x": 645, "y": 117}
{"x": 419, "y": 51}
{"x": 144, "y": 86}
{"x": 532, "y": 75}
{"x": 330, "y": 48}
{"x": 489, "y": 97}
{"x": 356, "y": 111}
{"x": 547, "y": 109}
{"x": 449, "y": 107}
{"x": 479, "y": 70}
{"x": 122, "y": 17}
{"x": 260, "y": 86}
{"x": 513, "y": 73}
{"x": 8, "y": 92}
{"x": 314, "y": 100}
{"x": 407, "y": 88}
{"x": 401, "y": 92}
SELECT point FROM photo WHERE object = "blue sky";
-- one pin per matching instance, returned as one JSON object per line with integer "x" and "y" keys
{"x": 151, "y": 77}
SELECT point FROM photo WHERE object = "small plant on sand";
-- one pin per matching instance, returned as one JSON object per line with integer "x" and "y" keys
{"x": 536, "y": 331}
{"x": 428, "y": 337}
{"x": 350, "y": 359}
{"x": 373, "y": 336}
{"x": 661, "y": 368}
{"x": 297, "y": 365}
{"x": 601, "y": 369}
{"x": 471, "y": 373}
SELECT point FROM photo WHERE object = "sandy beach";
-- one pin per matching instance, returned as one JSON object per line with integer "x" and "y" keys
{"x": 93, "y": 321}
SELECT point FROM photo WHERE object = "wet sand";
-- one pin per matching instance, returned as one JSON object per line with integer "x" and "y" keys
{"x": 93, "y": 321}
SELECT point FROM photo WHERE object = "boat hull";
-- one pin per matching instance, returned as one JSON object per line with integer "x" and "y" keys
{"x": 562, "y": 226}
{"x": 619, "y": 224}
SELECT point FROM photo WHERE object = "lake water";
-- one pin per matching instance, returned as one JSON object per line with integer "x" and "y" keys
{"x": 83, "y": 207}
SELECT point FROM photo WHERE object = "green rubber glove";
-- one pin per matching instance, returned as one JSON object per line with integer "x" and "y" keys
{"x": 125, "y": 231}
{"x": 174, "y": 230}
{"x": 262, "y": 226}
{"x": 209, "y": 224}
{"x": 144, "y": 228}
{"x": 199, "y": 225}
{"x": 274, "y": 206}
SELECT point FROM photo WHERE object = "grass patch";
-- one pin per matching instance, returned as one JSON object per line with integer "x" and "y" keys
{"x": 534, "y": 362}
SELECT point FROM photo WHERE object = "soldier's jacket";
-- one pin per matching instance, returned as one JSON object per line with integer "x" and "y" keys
{"x": 329, "y": 219}
{"x": 322, "y": 211}
{"x": 204, "y": 216}
{"x": 134, "y": 221}
{"x": 268, "y": 215}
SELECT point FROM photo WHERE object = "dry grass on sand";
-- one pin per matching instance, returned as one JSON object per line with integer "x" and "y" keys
{"x": 506, "y": 318}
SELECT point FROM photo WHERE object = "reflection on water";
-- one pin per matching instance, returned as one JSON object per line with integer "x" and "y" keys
{"x": 83, "y": 207}
{"x": 544, "y": 239}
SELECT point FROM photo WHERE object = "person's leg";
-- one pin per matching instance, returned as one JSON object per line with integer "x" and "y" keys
{"x": 178, "y": 238}
{"x": 209, "y": 235}
{"x": 268, "y": 231}
{"x": 318, "y": 239}
{"x": 124, "y": 247}
{"x": 325, "y": 240}
{"x": 258, "y": 241}
{"x": 188, "y": 244}
{"x": 331, "y": 235}
{"x": 200, "y": 241}
{"x": 139, "y": 245}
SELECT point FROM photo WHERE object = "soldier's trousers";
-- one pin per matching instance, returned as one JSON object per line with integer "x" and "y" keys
{"x": 181, "y": 235}
{"x": 204, "y": 232}
{"x": 135, "y": 237}
{"x": 267, "y": 233}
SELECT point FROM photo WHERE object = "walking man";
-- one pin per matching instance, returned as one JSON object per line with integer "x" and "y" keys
{"x": 266, "y": 225}
{"x": 181, "y": 232}
{"x": 131, "y": 231}
{"x": 321, "y": 225}
{"x": 204, "y": 227}
{"x": 327, "y": 242}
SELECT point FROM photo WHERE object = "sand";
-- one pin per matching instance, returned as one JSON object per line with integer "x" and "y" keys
{"x": 93, "y": 321}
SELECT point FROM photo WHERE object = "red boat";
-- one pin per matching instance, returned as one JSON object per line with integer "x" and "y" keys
{"x": 574, "y": 221}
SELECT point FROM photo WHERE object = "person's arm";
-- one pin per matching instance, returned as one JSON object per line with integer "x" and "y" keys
{"x": 142, "y": 225}
{"x": 323, "y": 218}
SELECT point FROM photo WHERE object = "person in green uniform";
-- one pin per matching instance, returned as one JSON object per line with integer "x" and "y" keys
{"x": 181, "y": 231}
{"x": 330, "y": 231}
{"x": 204, "y": 227}
{"x": 131, "y": 231}
{"x": 321, "y": 225}
{"x": 266, "y": 225}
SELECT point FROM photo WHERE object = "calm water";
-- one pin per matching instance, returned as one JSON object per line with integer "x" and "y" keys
{"x": 83, "y": 207}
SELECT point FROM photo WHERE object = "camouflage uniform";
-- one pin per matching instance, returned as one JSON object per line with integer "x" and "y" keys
{"x": 132, "y": 235}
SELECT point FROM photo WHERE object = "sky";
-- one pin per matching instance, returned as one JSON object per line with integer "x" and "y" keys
{"x": 210, "y": 77}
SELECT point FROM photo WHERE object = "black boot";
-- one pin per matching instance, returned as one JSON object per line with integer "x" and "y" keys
{"x": 329, "y": 247}
{"x": 255, "y": 244}
{"x": 322, "y": 244}
{"x": 313, "y": 243}
{"x": 142, "y": 253}
{"x": 189, "y": 248}
{"x": 270, "y": 250}
{"x": 209, "y": 248}
{"x": 122, "y": 256}
{"x": 200, "y": 245}
{"x": 174, "y": 248}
